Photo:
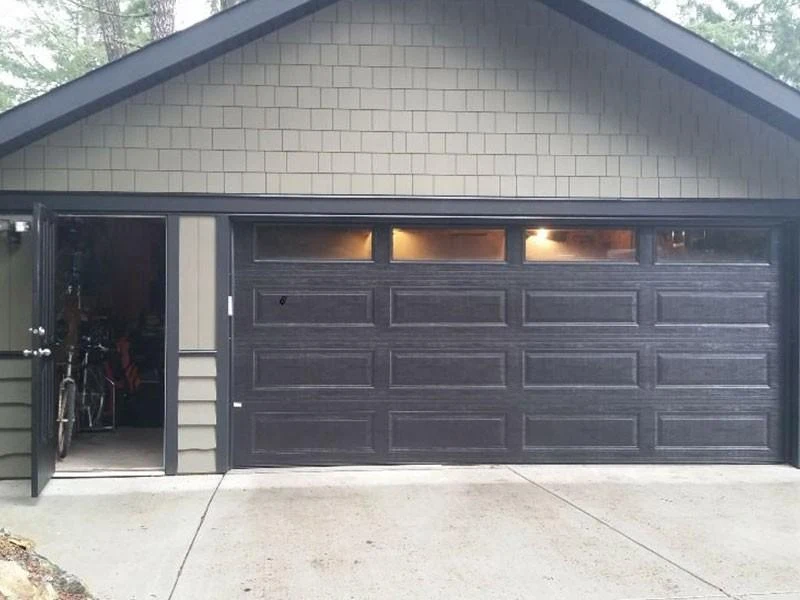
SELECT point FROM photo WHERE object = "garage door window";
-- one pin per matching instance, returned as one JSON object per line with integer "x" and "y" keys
{"x": 310, "y": 243}
{"x": 448, "y": 244}
{"x": 590, "y": 244}
{"x": 713, "y": 245}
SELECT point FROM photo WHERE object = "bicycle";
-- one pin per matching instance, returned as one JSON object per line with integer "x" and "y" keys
{"x": 95, "y": 388}
{"x": 85, "y": 412}
{"x": 67, "y": 392}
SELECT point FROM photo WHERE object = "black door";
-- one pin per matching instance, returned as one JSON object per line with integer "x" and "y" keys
{"x": 43, "y": 401}
{"x": 376, "y": 344}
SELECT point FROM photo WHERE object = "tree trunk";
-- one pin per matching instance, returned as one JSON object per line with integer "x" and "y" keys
{"x": 162, "y": 18}
{"x": 110, "y": 19}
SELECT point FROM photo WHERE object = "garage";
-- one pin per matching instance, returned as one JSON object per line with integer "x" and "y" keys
{"x": 506, "y": 342}
{"x": 506, "y": 231}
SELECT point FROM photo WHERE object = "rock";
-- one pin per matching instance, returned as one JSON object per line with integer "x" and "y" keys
{"x": 16, "y": 584}
{"x": 26, "y": 575}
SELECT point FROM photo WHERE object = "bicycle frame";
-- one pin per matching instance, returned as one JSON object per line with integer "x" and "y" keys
{"x": 94, "y": 415}
{"x": 68, "y": 375}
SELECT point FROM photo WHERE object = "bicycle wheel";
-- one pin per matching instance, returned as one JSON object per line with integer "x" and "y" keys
{"x": 94, "y": 396}
{"x": 66, "y": 417}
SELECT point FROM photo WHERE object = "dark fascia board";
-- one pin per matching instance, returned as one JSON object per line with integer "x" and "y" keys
{"x": 690, "y": 56}
{"x": 147, "y": 67}
{"x": 408, "y": 207}
{"x": 623, "y": 21}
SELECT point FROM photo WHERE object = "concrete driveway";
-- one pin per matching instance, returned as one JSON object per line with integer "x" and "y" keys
{"x": 466, "y": 533}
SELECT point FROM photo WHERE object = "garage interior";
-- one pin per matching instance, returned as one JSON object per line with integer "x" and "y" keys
{"x": 406, "y": 342}
{"x": 110, "y": 306}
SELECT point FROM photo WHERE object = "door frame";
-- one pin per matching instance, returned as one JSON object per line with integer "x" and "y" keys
{"x": 171, "y": 314}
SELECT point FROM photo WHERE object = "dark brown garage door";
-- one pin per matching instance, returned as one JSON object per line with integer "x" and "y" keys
{"x": 383, "y": 344}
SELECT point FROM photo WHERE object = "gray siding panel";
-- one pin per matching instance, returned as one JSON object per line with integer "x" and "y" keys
{"x": 15, "y": 418}
{"x": 16, "y": 272}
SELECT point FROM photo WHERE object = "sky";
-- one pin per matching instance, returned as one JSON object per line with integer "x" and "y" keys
{"x": 189, "y": 12}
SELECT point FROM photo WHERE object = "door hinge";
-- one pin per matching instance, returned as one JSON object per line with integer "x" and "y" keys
{"x": 230, "y": 306}
{"x": 237, "y": 405}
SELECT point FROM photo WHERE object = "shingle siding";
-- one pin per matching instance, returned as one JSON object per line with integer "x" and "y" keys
{"x": 433, "y": 97}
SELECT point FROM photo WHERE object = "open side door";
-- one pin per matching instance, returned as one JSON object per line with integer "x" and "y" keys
{"x": 43, "y": 388}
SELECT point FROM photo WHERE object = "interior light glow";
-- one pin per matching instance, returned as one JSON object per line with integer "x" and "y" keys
{"x": 542, "y": 234}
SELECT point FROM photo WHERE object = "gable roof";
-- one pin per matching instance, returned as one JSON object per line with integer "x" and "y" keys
{"x": 624, "y": 21}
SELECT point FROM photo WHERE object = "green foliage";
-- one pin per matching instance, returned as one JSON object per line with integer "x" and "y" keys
{"x": 65, "y": 48}
{"x": 765, "y": 32}
{"x": 56, "y": 41}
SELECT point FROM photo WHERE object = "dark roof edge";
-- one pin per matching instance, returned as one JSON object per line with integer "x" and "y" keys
{"x": 147, "y": 67}
{"x": 690, "y": 56}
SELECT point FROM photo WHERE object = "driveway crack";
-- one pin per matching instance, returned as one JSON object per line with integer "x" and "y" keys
{"x": 622, "y": 533}
{"x": 194, "y": 537}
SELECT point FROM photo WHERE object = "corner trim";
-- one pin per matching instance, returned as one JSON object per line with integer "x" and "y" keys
{"x": 791, "y": 342}
{"x": 224, "y": 358}
{"x": 172, "y": 346}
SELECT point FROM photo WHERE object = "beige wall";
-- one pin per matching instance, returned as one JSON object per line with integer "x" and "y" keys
{"x": 16, "y": 275}
{"x": 476, "y": 97}
{"x": 197, "y": 391}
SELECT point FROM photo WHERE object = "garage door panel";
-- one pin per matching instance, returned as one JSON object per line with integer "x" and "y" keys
{"x": 339, "y": 368}
{"x": 316, "y": 308}
{"x": 713, "y": 308}
{"x": 419, "y": 431}
{"x": 448, "y": 307}
{"x": 581, "y": 431}
{"x": 594, "y": 368}
{"x": 447, "y": 369}
{"x": 317, "y": 433}
{"x": 567, "y": 308}
{"x": 696, "y": 369}
{"x": 713, "y": 430}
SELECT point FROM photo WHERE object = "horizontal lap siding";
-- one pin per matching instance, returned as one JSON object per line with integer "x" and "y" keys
{"x": 197, "y": 386}
{"x": 430, "y": 97}
{"x": 16, "y": 269}
{"x": 15, "y": 418}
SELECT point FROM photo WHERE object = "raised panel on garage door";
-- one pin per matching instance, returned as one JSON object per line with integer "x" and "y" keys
{"x": 421, "y": 343}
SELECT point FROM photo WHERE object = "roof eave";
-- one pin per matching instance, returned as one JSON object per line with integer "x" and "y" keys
{"x": 135, "y": 72}
{"x": 688, "y": 55}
